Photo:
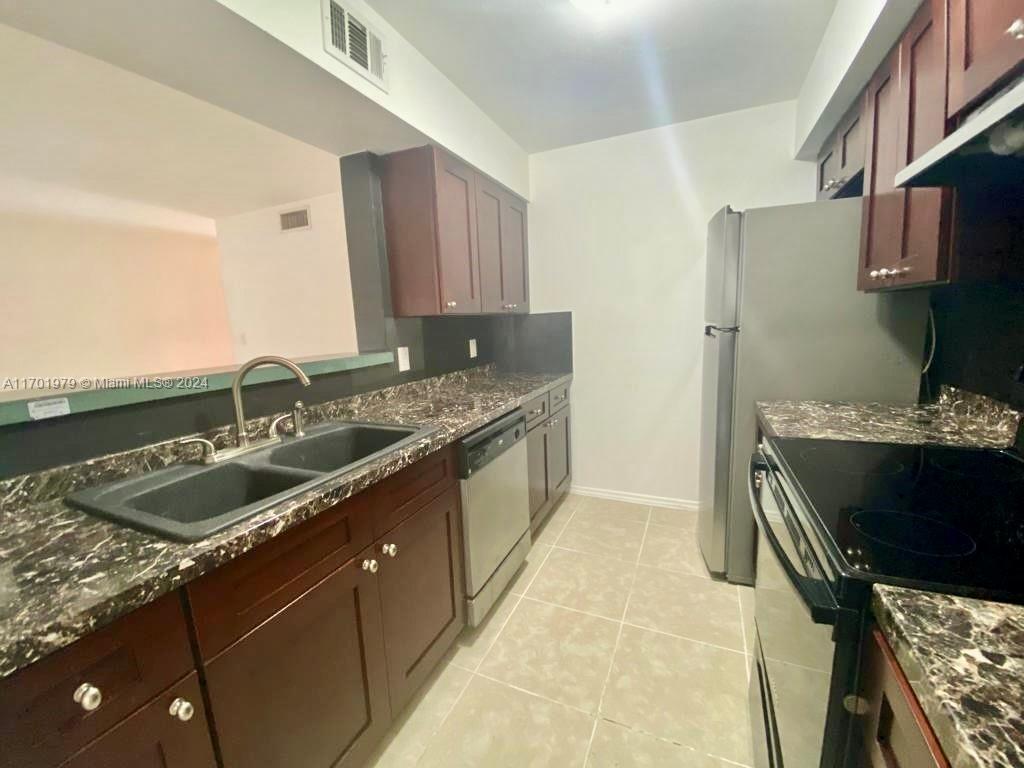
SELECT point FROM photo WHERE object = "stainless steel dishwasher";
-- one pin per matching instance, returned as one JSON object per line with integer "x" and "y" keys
{"x": 495, "y": 510}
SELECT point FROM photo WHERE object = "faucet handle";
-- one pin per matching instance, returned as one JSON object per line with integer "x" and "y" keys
{"x": 298, "y": 412}
{"x": 209, "y": 449}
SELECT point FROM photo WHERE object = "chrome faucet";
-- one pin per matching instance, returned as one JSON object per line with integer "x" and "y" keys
{"x": 242, "y": 437}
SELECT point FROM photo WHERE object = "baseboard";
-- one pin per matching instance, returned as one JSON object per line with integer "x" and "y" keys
{"x": 635, "y": 498}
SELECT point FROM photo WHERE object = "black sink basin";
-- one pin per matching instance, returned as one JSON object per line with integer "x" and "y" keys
{"x": 190, "y": 502}
{"x": 342, "y": 446}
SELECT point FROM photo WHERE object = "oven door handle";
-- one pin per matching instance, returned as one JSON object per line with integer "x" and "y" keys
{"x": 821, "y": 612}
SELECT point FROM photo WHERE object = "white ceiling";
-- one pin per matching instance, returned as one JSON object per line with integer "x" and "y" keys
{"x": 552, "y": 75}
{"x": 75, "y": 121}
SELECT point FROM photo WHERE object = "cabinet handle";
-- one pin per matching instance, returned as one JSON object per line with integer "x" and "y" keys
{"x": 559, "y": 398}
{"x": 874, "y": 274}
{"x": 828, "y": 185}
{"x": 536, "y": 412}
{"x": 88, "y": 696}
{"x": 181, "y": 709}
{"x": 389, "y": 549}
{"x": 553, "y": 422}
{"x": 1016, "y": 30}
{"x": 371, "y": 565}
{"x": 451, "y": 305}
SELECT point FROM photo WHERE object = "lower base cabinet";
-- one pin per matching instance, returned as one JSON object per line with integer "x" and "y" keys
{"x": 309, "y": 686}
{"x": 422, "y": 593}
{"x": 154, "y": 737}
{"x": 549, "y": 459}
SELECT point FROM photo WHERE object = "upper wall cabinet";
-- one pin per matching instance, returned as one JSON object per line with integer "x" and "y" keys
{"x": 841, "y": 160}
{"x": 456, "y": 239}
{"x": 986, "y": 47}
{"x": 905, "y": 236}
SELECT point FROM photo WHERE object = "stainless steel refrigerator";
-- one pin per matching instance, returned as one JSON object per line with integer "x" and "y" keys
{"x": 784, "y": 321}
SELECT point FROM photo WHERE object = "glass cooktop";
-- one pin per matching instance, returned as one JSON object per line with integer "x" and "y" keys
{"x": 934, "y": 515}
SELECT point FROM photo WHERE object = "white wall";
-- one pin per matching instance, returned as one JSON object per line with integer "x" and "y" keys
{"x": 418, "y": 93}
{"x": 97, "y": 296}
{"x": 617, "y": 235}
{"x": 288, "y": 293}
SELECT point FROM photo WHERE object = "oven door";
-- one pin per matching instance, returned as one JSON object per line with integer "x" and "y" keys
{"x": 795, "y": 616}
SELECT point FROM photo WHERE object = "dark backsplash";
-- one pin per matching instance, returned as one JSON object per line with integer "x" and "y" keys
{"x": 539, "y": 343}
{"x": 980, "y": 332}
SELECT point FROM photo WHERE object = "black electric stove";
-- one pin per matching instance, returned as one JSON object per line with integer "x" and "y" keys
{"x": 946, "y": 519}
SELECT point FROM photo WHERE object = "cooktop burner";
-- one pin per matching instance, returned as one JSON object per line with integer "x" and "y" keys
{"x": 931, "y": 516}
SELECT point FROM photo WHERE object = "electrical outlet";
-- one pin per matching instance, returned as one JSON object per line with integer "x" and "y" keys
{"x": 403, "y": 359}
{"x": 472, "y": 347}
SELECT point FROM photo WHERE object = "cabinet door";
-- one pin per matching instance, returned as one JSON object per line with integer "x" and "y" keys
{"x": 537, "y": 467}
{"x": 308, "y": 686}
{"x": 828, "y": 167}
{"x": 986, "y": 46}
{"x": 422, "y": 593}
{"x": 559, "y": 453}
{"x": 458, "y": 261}
{"x": 515, "y": 278}
{"x": 154, "y": 738}
{"x": 850, "y": 145}
{"x": 925, "y": 253}
{"x": 882, "y": 223}
{"x": 489, "y": 202}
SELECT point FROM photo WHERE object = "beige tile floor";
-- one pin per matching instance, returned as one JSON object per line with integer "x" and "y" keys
{"x": 612, "y": 648}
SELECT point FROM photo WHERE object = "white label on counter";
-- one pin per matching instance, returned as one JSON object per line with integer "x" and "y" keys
{"x": 48, "y": 409}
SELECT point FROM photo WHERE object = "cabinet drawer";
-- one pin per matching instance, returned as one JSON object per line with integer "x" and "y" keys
{"x": 129, "y": 662}
{"x": 403, "y": 493}
{"x": 234, "y": 599}
{"x": 153, "y": 732}
{"x": 896, "y": 731}
{"x": 559, "y": 398}
{"x": 537, "y": 410}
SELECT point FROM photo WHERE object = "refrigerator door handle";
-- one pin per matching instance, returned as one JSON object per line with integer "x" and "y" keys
{"x": 709, "y": 330}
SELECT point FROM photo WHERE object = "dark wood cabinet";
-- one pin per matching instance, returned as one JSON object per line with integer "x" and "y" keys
{"x": 841, "y": 161}
{"x": 55, "y": 707}
{"x": 986, "y": 48}
{"x": 537, "y": 468}
{"x": 549, "y": 457}
{"x": 456, "y": 239}
{"x": 905, "y": 238}
{"x": 308, "y": 686}
{"x": 895, "y": 730}
{"x": 153, "y": 737}
{"x": 422, "y": 593}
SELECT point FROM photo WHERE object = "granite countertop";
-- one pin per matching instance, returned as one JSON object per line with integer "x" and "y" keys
{"x": 964, "y": 659}
{"x": 63, "y": 573}
{"x": 959, "y": 418}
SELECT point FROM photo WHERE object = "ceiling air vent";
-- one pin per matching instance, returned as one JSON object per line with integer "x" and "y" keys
{"x": 353, "y": 42}
{"x": 297, "y": 219}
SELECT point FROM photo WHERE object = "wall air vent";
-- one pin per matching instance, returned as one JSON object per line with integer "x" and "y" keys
{"x": 353, "y": 42}
{"x": 297, "y": 219}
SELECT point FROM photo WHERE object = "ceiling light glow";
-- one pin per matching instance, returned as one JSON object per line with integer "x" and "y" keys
{"x": 598, "y": 7}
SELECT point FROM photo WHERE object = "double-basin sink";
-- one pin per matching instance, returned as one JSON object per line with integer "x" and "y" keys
{"x": 189, "y": 502}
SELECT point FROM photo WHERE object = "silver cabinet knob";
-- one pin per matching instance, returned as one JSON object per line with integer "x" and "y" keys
{"x": 874, "y": 274}
{"x": 88, "y": 696}
{"x": 1016, "y": 30}
{"x": 883, "y": 272}
{"x": 389, "y": 549}
{"x": 451, "y": 305}
{"x": 182, "y": 709}
{"x": 371, "y": 565}
{"x": 829, "y": 184}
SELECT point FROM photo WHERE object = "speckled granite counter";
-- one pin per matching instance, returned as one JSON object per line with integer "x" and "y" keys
{"x": 958, "y": 419}
{"x": 964, "y": 659}
{"x": 64, "y": 573}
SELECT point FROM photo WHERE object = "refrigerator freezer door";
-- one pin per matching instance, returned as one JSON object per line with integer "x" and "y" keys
{"x": 720, "y": 308}
{"x": 809, "y": 334}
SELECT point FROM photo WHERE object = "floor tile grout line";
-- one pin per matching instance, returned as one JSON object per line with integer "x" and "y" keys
{"x": 743, "y": 631}
{"x": 683, "y": 637}
{"x": 494, "y": 640}
{"x": 618, "y": 640}
{"x": 536, "y": 695}
{"x": 667, "y": 740}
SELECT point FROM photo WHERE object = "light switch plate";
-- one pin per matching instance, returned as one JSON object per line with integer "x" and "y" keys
{"x": 472, "y": 347}
{"x": 403, "y": 359}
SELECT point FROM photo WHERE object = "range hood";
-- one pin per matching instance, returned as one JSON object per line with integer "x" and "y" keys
{"x": 987, "y": 149}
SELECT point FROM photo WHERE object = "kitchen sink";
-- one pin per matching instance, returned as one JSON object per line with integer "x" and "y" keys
{"x": 342, "y": 446}
{"x": 189, "y": 502}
